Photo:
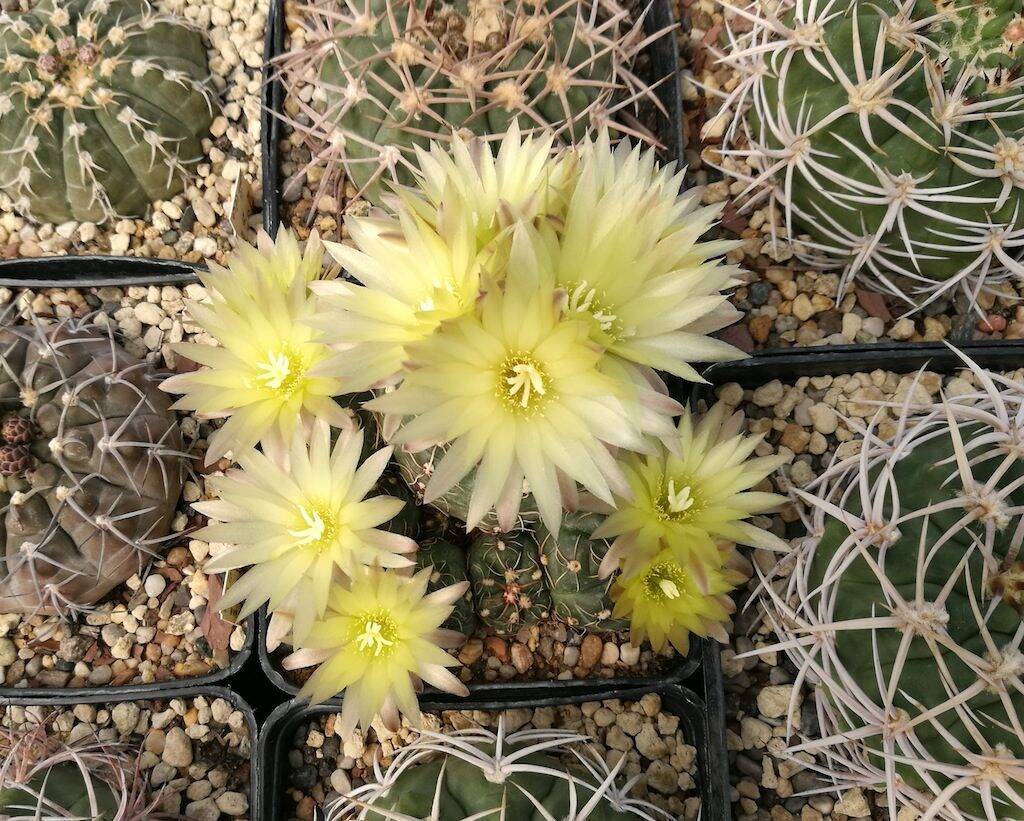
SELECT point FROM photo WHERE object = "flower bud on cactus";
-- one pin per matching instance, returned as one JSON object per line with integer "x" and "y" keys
{"x": 902, "y": 608}
{"x": 395, "y": 74}
{"x": 891, "y": 132}
{"x": 92, "y": 466}
{"x": 103, "y": 107}
{"x": 508, "y": 582}
{"x": 474, "y": 775}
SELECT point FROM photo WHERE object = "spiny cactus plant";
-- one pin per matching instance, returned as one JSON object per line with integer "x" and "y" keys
{"x": 890, "y": 132}
{"x": 91, "y": 464}
{"x": 42, "y": 777}
{"x": 395, "y": 74}
{"x": 448, "y": 567}
{"x": 903, "y": 609}
{"x": 477, "y": 774}
{"x": 572, "y": 563}
{"x": 508, "y": 581}
{"x": 103, "y": 107}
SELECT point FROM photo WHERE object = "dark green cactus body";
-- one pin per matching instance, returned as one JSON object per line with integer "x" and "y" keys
{"x": 922, "y": 480}
{"x": 957, "y": 176}
{"x": 62, "y": 786}
{"x": 461, "y": 66}
{"x": 102, "y": 108}
{"x": 466, "y": 791}
{"x": 449, "y": 564}
{"x": 571, "y": 562}
{"x": 407, "y": 522}
{"x": 508, "y": 581}
{"x": 417, "y": 468}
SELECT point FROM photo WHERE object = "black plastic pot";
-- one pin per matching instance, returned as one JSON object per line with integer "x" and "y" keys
{"x": 679, "y": 670}
{"x": 702, "y": 720}
{"x": 663, "y": 69}
{"x": 789, "y": 364}
{"x": 65, "y": 698}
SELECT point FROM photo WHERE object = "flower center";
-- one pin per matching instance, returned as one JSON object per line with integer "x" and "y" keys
{"x": 321, "y": 527}
{"x": 664, "y": 582}
{"x": 523, "y": 384}
{"x": 677, "y": 503}
{"x": 375, "y": 633}
{"x": 583, "y": 299}
{"x": 281, "y": 372}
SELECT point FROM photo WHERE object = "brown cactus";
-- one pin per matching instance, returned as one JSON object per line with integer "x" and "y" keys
{"x": 92, "y": 466}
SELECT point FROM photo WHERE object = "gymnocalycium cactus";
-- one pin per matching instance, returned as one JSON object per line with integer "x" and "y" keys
{"x": 42, "y": 777}
{"x": 478, "y": 774}
{"x": 507, "y": 580}
{"x": 448, "y": 563}
{"x": 103, "y": 107}
{"x": 91, "y": 464}
{"x": 890, "y": 132}
{"x": 903, "y": 608}
{"x": 395, "y": 74}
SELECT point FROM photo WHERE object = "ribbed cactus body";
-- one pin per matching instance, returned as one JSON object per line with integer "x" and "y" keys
{"x": 62, "y": 791}
{"x": 449, "y": 567}
{"x": 571, "y": 561}
{"x": 889, "y": 132}
{"x": 508, "y": 582}
{"x": 91, "y": 500}
{"x": 103, "y": 108}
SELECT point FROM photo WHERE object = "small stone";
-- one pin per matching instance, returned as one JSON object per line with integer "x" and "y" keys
{"x": 177, "y": 748}
{"x": 661, "y": 777}
{"x": 590, "y": 651}
{"x": 853, "y": 804}
{"x": 768, "y": 394}
{"x": 8, "y": 652}
{"x": 233, "y": 803}
{"x": 149, "y": 314}
{"x": 126, "y": 717}
{"x": 522, "y": 658}
{"x": 204, "y": 810}
{"x": 773, "y": 701}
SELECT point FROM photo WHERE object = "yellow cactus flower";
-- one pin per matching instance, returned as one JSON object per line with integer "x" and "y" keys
{"x": 690, "y": 497}
{"x": 628, "y": 255}
{"x": 518, "y": 391}
{"x": 664, "y": 603}
{"x": 299, "y": 518}
{"x": 380, "y": 639}
{"x": 260, "y": 374}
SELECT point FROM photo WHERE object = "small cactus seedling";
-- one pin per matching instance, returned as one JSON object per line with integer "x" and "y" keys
{"x": 508, "y": 581}
{"x": 478, "y": 775}
{"x": 92, "y": 466}
{"x": 448, "y": 563}
{"x": 572, "y": 562}
{"x": 45, "y": 779}
{"x": 103, "y": 107}
{"x": 902, "y": 608}
{"x": 890, "y": 132}
{"x": 394, "y": 74}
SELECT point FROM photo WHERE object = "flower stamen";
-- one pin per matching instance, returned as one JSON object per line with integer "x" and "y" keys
{"x": 664, "y": 582}
{"x": 523, "y": 383}
{"x": 375, "y": 633}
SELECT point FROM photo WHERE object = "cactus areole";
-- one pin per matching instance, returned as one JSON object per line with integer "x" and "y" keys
{"x": 91, "y": 467}
{"x": 103, "y": 107}
{"x": 924, "y": 609}
{"x": 889, "y": 132}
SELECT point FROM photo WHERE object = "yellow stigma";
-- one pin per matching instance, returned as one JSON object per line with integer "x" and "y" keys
{"x": 375, "y": 633}
{"x": 523, "y": 384}
{"x": 321, "y": 527}
{"x": 664, "y": 582}
{"x": 281, "y": 372}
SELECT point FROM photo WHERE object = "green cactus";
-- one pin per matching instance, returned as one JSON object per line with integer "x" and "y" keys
{"x": 571, "y": 562}
{"x": 62, "y": 788}
{"x": 477, "y": 774}
{"x": 407, "y": 522}
{"x": 449, "y": 563}
{"x": 890, "y": 132}
{"x": 397, "y": 73}
{"x": 103, "y": 108}
{"x": 507, "y": 580}
{"x": 903, "y": 606}
{"x": 416, "y": 468}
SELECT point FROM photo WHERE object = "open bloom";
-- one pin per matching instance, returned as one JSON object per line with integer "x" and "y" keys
{"x": 521, "y": 183}
{"x": 380, "y": 640}
{"x": 627, "y": 254}
{"x": 664, "y": 603}
{"x": 260, "y": 374}
{"x": 517, "y": 390}
{"x": 299, "y": 518}
{"x": 410, "y": 277}
{"x": 687, "y": 501}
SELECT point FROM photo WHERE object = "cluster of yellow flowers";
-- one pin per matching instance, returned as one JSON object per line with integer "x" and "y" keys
{"x": 515, "y": 306}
